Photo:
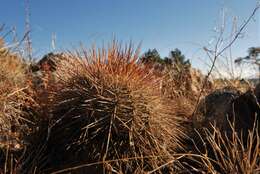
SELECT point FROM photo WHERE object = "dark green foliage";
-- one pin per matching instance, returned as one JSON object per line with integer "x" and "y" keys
{"x": 177, "y": 58}
{"x": 151, "y": 57}
{"x": 254, "y": 52}
{"x": 252, "y": 57}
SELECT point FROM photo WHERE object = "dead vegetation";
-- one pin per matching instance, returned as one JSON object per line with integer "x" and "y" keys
{"x": 101, "y": 111}
{"x": 12, "y": 80}
{"x": 216, "y": 152}
{"x": 12, "y": 95}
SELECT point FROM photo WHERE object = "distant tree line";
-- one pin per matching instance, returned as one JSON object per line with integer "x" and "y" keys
{"x": 175, "y": 58}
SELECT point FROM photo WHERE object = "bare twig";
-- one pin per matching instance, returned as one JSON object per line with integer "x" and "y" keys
{"x": 219, "y": 53}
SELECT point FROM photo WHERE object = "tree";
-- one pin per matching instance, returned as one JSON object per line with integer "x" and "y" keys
{"x": 254, "y": 52}
{"x": 177, "y": 58}
{"x": 253, "y": 57}
{"x": 151, "y": 57}
{"x": 167, "y": 61}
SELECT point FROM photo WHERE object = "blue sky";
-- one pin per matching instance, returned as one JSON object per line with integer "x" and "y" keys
{"x": 162, "y": 24}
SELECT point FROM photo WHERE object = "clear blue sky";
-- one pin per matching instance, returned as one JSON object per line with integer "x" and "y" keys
{"x": 162, "y": 24}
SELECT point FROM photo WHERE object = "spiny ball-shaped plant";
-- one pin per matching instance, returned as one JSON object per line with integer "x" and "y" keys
{"x": 106, "y": 114}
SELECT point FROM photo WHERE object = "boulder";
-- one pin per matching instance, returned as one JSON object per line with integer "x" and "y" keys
{"x": 226, "y": 106}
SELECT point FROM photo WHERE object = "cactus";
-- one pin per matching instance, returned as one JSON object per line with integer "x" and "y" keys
{"x": 106, "y": 109}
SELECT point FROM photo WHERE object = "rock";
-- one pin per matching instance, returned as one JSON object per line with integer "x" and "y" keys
{"x": 222, "y": 106}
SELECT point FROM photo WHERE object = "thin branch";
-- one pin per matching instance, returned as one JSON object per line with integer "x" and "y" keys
{"x": 217, "y": 54}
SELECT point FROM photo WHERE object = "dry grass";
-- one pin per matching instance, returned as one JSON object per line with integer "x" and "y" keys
{"x": 241, "y": 85}
{"x": 184, "y": 82}
{"x": 12, "y": 95}
{"x": 12, "y": 70}
{"x": 219, "y": 154}
{"x": 12, "y": 84}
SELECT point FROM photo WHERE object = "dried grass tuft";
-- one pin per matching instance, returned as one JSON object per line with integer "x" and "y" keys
{"x": 222, "y": 154}
{"x": 12, "y": 96}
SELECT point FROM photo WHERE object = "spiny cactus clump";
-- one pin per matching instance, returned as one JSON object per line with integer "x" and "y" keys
{"x": 105, "y": 109}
